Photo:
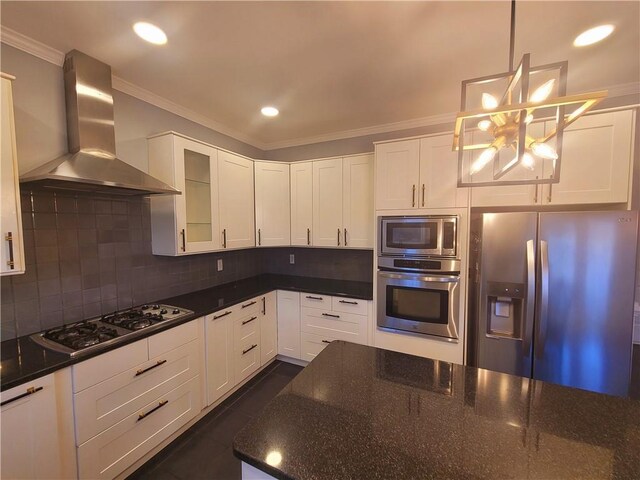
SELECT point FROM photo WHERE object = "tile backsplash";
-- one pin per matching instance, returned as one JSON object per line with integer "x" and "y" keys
{"x": 88, "y": 255}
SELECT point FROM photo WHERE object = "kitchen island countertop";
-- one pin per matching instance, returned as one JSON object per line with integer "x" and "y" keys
{"x": 23, "y": 360}
{"x": 359, "y": 412}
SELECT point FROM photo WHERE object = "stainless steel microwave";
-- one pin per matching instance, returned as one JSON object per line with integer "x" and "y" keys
{"x": 426, "y": 235}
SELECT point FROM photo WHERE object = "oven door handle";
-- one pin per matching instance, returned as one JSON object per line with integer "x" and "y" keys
{"x": 419, "y": 276}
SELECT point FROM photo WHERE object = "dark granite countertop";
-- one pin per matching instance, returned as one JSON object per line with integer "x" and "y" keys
{"x": 22, "y": 360}
{"x": 357, "y": 412}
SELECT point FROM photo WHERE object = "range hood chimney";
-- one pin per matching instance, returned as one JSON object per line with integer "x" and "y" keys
{"x": 91, "y": 164}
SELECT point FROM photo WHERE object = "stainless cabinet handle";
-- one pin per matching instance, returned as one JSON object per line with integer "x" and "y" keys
{"x": 248, "y": 304}
{"x": 423, "y": 189}
{"x": 184, "y": 241}
{"x": 249, "y": 321}
{"x": 145, "y": 370}
{"x": 30, "y": 391}
{"x": 160, "y": 405}
{"x": 535, "y": 194}
{"x": 264, "y": 305}
{"x": 259, "y": 238}
{"x": 345, "y": 238}
{"x": 347, "y": 301}
{"x": 224, "y": 238}
{"x": 249, "y": 349}
{"x": 338, "y": 237}
{"x": 313, "y": 298}
{"x": 9, "y": 238}
{"x": 215, "y": 317}
{"x": 326, "y": 341}
{"x": 308, "y": 236}
{"x": 413, "y": 197}
{"x": 330, "y": 315}
{"x": 550, "y": 191}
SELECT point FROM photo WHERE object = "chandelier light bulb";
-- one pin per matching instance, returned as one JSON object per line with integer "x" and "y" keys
{"x": 541, "y": 93}
{"x": 485, "y": 125}
{"x": 484, "y": 158}
{"x": 527, "y": 161}
{"x": 489, "y": 102}
{"x": 543, "y": 150}
{"x": 528, "y": 119}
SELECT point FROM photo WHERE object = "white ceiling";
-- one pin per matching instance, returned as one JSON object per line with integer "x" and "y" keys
{"x": 330, "y": 67}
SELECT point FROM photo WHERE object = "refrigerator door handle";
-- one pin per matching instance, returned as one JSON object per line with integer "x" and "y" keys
{"x": 530, "y": 298}
{"x": 544, "y": 298}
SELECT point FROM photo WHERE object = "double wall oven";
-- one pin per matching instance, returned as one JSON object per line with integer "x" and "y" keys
{"x": 419, "y": 275}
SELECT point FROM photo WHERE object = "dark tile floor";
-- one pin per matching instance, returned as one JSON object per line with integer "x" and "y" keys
{"x": 634, "y": 388}
{"x": 205, "y": 451}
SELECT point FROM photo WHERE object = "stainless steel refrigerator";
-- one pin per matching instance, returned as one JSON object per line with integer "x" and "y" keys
{"x": 551, "y": 296}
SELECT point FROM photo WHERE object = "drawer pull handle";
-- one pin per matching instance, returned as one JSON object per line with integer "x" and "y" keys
{"x": 160, "y": 405}
{"x": 349, "y": 302}
{"x": 326, "y": 341}
{"x": 330, "y": 315}
{"x": 215, "y": 317}
{"x": 184, "y": 240}
{"x": 144, "y": 370}
{"x": 250, "y": 348}
{"x": 314, "y": 298}
{"x": 30, "y": 391}
{"x": 9, "y": 238}
{"x": 248, "y": 304}
{"x": 308, "y": 236}
{"x": 264, "y": 305}
{"x": 249, "y": 321}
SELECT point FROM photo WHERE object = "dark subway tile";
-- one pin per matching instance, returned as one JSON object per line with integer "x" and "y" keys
{"x": 67, "y": 220}
{"x": 46, "y": 237}
{"x": 120, "y": 221}
{"x": 49, "y": 287}
{"x": 90, "y": 295}
{"x": 105, "y": 236}
{"x": 124, "y": 302}
{"x": 85, "y": 205}
{"x": 121, "y": 236}
{"x": 102, "y": 206}
{"x": 8, "y": 327}
{"x": 69, "y": 252}
{"x": 27, "y": 317}
{"x": 135, "y": 208}
{"x": 51, "y": 319}
{"x": 89, "y": 265}
{"x": 90, "y": 310}
{"x": 69, "y": 268}
{"x": 44, "y": 202}
{"x": 90, "y": 281}
{"x": 104, "y": 222}
{"x": 71, "y": 299}
{"x": 107, "y": 277}
{"x": 87, "y": 237}
{"x": 89, "y": 251}
{"x": 50, "y": 303}
{"x": 73, "y": 314}
{"x": 29, "y": 276}
{"x": 119, "y": 207}
{"x": 27, "y": 220}
{"x": 68, "y": 237}
{"x": 106, "y": 250}
{"x": 46, "y": 254}
{"x": 48, "y": 270}
{"x": 86, "y": 220}
{"x": 109, "y": 306}
{"x": 66, "y": 204}
{"x": 72, "y": 283}
{"x": 25, "y": 201}
{"x": 44, "y": 220}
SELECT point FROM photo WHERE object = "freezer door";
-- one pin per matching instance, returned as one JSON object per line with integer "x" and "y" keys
{"x": 584, "y": 315}
{"x": 506, "y": 293}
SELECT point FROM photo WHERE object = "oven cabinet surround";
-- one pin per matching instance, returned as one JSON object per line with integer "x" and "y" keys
{"x": 273, "y": 224}
{"x": 596, "y": 167}
{"x": 239, "y": 341}
{"x": 11, "y": 220}
{"x": 37, "y": 429}
{"x": 216, "y": 208}
{"x": 128, "y": 401}
{"x": 418, "y": 344}
{"x": 418, "y": 173}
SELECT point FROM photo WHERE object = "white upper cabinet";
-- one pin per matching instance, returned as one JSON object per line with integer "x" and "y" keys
{"x": 439, "y": 174}
{"x": 357, "y": 191}
{"x": 187, "y": 223}
{"x": 596, "y": 161}
{"x": 273, "y": 226}
{"x": 237, "y": 222}
{"x": 301, "y": 203}
{"x": 420, "y": 173}
{"x": 12, "y": 252}
{"x": 397, "y": 174}
{"x": 327, "y": 203}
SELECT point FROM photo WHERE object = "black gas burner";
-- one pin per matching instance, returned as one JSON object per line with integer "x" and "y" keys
{"x": 134, "y": 319}
{"x": 81, "y": 335}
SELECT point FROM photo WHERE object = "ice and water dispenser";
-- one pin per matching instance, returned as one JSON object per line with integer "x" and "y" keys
{"x": 505, "y": 309}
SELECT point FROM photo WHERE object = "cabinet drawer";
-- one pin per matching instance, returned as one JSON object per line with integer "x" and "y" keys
{"x": 247, "y": 355}
{"x": 98, "y": 369}
{"x": 172, "y": 338}
{"x": 315, "y": 301}
{"x": 246, "y": 325}
{"x": 103, "y": 405}
{"x": 114, "y": 450}
{"x": 349, "y": 305}
{"x": 312, "y": 345}
{"x": 229, "y": 312}
{"x": 250, "y": 307}
{"x": 340, "y": 326}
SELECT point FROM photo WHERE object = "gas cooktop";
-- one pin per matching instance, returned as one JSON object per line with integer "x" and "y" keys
{"x": 97, "y": 333}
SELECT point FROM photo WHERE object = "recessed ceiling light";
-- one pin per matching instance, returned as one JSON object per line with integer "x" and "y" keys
{"x": 150, "y": 33}
{"x": 593, "y": 35}
{"x": 269, "y": 111}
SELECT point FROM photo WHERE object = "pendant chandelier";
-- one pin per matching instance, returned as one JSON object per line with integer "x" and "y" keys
{"x": 514, "y": 122}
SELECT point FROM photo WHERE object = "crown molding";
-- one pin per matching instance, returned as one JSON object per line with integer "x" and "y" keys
{"x": 56, "y": 57}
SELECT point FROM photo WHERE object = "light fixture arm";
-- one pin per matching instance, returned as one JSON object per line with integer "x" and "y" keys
{"x": 512, "y": 35}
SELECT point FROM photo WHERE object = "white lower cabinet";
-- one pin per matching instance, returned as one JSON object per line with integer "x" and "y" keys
{"x": 129, "y": 400}
{"x": 219, "y": 355}
{"x": 311, "y": 345}
{"x": 246, "y": 344}
{"x": 288, "y": 323}
{"x": 33, "y": 445}
{"x": 268, "y": 328}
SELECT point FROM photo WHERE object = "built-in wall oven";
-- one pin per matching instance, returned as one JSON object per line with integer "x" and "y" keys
{"x": 418, "y": 290}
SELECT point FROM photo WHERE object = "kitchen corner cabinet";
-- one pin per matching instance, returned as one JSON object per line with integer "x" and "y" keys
{"x": 595, "y": 168}
{"x": 12, "y": 253}
{"x": 273, "y": 226}
{"x": 343, "y": 202}
{"x": 237, "y": 212}
{"x": 288, "y": 323}
{"x": 268, "y": 328}
{"x": 301, "y": 203}
{"x": 33, "y": 443}
{"x": 418, "y": 173}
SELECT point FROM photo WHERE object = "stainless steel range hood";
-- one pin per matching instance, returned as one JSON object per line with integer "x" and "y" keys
{"x": 91, "y": 164}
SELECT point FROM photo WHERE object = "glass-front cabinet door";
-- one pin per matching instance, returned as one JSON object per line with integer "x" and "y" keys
{"x": 197, "y": 208}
